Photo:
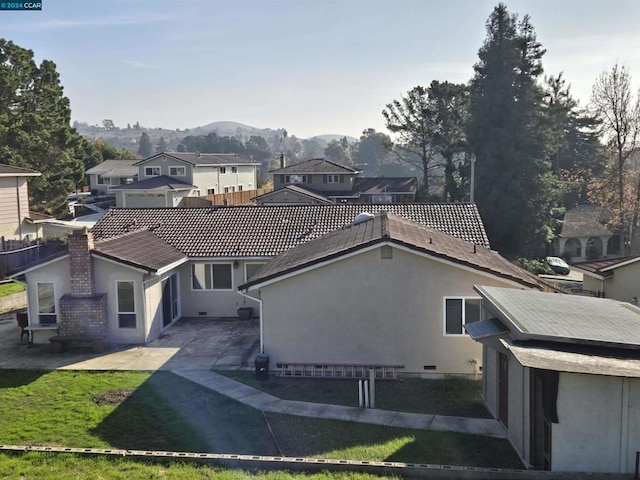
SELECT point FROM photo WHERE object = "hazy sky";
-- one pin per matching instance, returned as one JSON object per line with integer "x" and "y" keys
{"x": 310, "y": 66}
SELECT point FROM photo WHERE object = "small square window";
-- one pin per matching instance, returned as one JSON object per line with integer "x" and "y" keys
{"x": 234, "y": 169}
{"x": 458, "y": 312}
{"x": 223, "y": 170}
{"x": 333, "y": 178}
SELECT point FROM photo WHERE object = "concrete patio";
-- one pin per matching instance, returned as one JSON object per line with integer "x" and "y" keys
{"x": 227, "y": 343}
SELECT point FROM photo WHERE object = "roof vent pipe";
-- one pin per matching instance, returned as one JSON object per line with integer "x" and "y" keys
{"x": 283, "y": 163}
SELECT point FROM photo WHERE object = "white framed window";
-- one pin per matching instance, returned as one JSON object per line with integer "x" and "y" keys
{"x": 46, "y": 303}
{"x": 234, "y": 169}
{"x": 251, "y": 268}
{"x": 239, "y": 188}
{"x": 125, "y": 295}
{"x": 459, "y": 311}
{"x": 100, "y": 180}
{"x": 233, "y": 188}
{"x": 178, "y": 171}
{"x": 296, "y": 179}
{"x": 223, "y": 170}
{"x": 211, "y": 276}
{"x": 211, "y": 191}
{"x": 151, "y": 171}
{"x": 226, "y": 189}
{"x": 333, "y": 178}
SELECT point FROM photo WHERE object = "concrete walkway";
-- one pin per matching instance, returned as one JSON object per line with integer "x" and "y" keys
{"x": 268, "y": 403}
{"x": 192, "y": 346}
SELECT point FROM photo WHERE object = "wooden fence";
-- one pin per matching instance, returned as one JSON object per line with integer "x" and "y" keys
{"x": 231, "y": 198}
{"x": 16, "y": 260}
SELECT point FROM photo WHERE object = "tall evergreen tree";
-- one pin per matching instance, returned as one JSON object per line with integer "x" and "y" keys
{"x": 145, "y": 149}
{"x": 35, "y": 130}
{"x": 507, "y": 133}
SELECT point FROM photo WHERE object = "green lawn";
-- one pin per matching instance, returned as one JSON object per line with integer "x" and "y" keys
{"x": 162, "y": 411}
{"x": 7, "y": 288}
{"x": 454, "y": 396}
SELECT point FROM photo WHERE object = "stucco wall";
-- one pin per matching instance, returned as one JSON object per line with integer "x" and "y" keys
{"x": 316, "y": 182}
{"x": 213, "y": 303}
{"x": 519, "y": 407}
{"x": 599, "y": 424}
{"x": 490, "y": 380}
{"x": 367, "y": 310}
{"x": 625, "y": 283}
{"x": 106, "y": 276}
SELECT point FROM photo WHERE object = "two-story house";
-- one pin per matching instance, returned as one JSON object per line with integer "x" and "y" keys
{"x": 110, "y": 174}
{"x": 166, "y": 178}
{"x": 319, "y": 181}
{"x": 15, "y": 217}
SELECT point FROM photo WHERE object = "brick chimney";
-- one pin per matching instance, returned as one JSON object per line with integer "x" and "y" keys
{"x": 80, "y": 264}
{"x": 82, "y": 312}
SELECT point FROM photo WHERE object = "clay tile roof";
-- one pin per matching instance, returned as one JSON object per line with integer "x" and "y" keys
{"x": 11, "y": 171}
{"x": 140, "y": 248}
{"x": 315, "y": 165}
{"x": 584, "y": 221}
{"x": 387, "y": 227}
{"x": 244, "y": 231}
{"x": 161, "y": 182}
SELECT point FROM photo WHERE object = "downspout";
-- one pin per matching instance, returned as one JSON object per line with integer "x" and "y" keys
{"x": 261, "y": 318}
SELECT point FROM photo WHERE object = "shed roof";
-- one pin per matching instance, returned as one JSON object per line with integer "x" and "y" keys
{"x": 605, "y": 267}
{"x": 533, "y": 315}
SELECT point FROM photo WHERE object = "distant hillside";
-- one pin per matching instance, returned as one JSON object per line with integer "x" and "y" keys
{"x": 128, "y": 136}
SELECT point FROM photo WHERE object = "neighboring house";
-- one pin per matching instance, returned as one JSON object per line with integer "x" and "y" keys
{"x": 617, "y": 278}
{"x": 110, "y": 174}
{"x": 160, "y": 191}
{"x": 562, "y": 374}
{"x": 325, "y": 181}
{"x": 203, "y": 254}
{"x": 16, "y": 222}
{"x": 584, "y": 235}
{"x": 384, "y": 291}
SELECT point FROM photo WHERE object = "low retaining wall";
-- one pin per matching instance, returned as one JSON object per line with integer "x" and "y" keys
{"x": 13, "y": 302}
{"x": 406, "y": 470}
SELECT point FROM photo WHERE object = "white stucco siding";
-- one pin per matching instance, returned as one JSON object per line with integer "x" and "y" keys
{"x": 213, "y": 303}
{"x": 363, "y": 309}
{"x": 588, "y": 435}
{"x": 518, "y": 406}
{"x": 142, "y": 200}
{"x": 107, "y": 274}
{"x": 57, "y": 273}
{"x": 625, "y": 283}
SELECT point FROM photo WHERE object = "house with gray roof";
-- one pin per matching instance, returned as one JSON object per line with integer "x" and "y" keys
{"x": 323, "y": 180}
{"x": 585, "y": 235}
{"x": 166, "y": 178}
{"x": 112, "y": 173}
{"x": 149, "y": 267}
{"x": 384, "y": 291}
{"x": 562, "y": 374}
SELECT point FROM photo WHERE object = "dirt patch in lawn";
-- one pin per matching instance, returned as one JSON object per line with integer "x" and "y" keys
{"x": 113, "y": 397}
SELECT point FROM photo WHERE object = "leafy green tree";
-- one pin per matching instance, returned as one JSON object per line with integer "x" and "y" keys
{"x": 408, "y": 117}
{"x": 35, "y": 130}
{"x": 507, "y": 132}
{"x": 257, "y": 147}
{"x": 338, "y": 151}
{"x": 372, "y": 151}
{"x": 108, "y": 124}
{"x": 145, "y": 149}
